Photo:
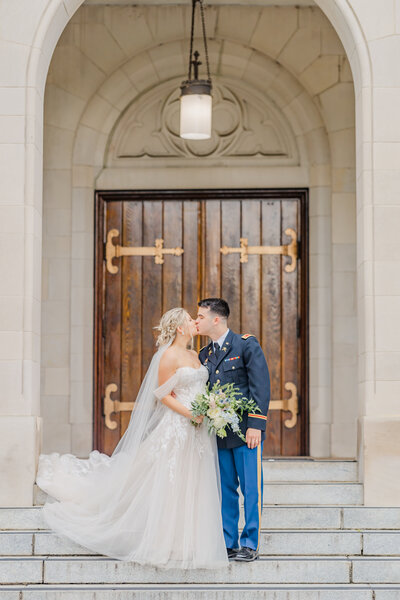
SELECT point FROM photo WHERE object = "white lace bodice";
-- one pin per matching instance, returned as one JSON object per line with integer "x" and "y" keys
{"x": 190, "y": 381}
{"x": 175, "y": 429}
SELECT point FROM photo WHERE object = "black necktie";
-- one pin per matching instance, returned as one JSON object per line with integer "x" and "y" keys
{"x": 216, "y": 349}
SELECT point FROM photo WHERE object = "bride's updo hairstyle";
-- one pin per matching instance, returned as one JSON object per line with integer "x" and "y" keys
{"x": 169, "y": 323}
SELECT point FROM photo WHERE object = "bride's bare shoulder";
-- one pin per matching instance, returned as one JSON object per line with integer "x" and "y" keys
{"x": 168, "y": 363}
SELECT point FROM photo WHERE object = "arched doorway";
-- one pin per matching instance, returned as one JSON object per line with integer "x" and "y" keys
{"x": 52, "y": 23}
{"x": 108, "y": 154}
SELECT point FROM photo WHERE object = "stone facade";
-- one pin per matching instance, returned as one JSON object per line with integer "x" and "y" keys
{"x": 88, "y": 67}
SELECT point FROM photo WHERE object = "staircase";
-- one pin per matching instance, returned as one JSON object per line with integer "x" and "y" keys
{"x": 318, "y": 543}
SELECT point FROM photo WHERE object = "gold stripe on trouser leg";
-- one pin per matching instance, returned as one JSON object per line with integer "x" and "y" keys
{"x": 259, "y": 467}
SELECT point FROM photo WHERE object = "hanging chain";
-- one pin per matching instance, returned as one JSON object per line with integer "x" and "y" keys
{"x": 205, "y": 39}
{"x": 194, "y": 2}
{"x": 191, "y": 40}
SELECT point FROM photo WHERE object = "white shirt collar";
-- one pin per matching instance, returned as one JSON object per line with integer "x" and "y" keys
{"x": 221, "y": 340}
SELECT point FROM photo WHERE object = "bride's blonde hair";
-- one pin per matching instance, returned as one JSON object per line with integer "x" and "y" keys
{"x": 169, "y": 323}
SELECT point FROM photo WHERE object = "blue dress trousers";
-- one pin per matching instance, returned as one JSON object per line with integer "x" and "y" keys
{"x": 241, "y": 361}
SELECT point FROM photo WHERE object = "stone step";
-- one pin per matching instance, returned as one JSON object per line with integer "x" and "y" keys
{"x": 202, "y": 592}
{"x": 313, "y": 493}
{"x": 309, "y": 469}
{"x": 279, "y": 543}
{"x": 301, "y": 569}
{"x": 273, "y": 517}
{"x": 294, "y": 493}
{"x": 301, "y": 471}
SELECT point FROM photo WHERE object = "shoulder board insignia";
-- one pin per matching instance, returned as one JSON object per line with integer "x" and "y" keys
{"x": 203, "y": 348}
{"x": 245, "y": 336}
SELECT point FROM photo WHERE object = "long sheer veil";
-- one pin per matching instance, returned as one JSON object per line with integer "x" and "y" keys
{"x": 99, "y": 480}
{"x": 147, "y": 411}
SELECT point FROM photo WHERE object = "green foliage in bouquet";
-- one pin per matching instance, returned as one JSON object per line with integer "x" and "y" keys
{"x": 222, "y": 406}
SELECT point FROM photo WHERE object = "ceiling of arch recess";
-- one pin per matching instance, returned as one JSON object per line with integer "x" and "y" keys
{"x": 148, "y": 45}
{"x": 300, "y": 38}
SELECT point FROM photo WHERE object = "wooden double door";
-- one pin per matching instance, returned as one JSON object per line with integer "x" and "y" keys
{"x": 160, "y": 249}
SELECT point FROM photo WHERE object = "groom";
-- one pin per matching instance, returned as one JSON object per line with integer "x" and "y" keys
{"x": 231, "y": 357}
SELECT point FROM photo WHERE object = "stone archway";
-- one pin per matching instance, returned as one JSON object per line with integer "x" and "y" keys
{"x": 47, "y": 33}
{"x": 91, "y": 138}
{"x": 107, "y": 101}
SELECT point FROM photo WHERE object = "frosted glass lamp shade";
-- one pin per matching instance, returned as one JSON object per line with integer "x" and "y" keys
{"x": 195, "y": 118}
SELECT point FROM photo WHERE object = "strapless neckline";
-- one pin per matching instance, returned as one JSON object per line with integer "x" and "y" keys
{"x": 188, "y": 367}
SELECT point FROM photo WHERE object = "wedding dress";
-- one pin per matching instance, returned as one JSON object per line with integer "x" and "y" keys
{"x": 157, "y": 499}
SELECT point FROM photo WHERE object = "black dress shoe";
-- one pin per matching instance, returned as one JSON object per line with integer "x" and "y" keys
{"x": 232, "y": 552}
{"x": 246, "y": 554}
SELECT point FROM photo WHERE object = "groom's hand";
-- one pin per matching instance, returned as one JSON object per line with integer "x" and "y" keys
{"x": 253, "y": 438}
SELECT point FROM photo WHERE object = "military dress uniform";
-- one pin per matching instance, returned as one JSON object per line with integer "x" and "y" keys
{"x": 241, "y": 360}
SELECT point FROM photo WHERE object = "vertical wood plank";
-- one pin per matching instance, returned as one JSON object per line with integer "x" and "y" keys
{"x": 152, "y": 280}
{"x": 211, "y": 249}
{"x": 190, "y": 263}
{"x": 172, "y": 269}
{"x": 210, "y": 254}
{"x": 251, "y": 271}
{"x": 303, "y": 331}
{"x": 131, "y": 273}
{"x": 112, "y": 345}
{"x": 230, "y": 263}
{"x": 291, "y": 439}
{"x": 271, "y": 318}
{"x": 99, "y": 333}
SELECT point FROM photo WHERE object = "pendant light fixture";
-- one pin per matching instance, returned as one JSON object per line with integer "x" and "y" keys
{"x": 196, "y": 100}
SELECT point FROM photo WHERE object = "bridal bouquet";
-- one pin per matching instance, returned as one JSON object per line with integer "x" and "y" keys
{"x": 222, "y": 406}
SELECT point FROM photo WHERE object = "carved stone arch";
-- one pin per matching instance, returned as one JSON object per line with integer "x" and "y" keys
{"x": 301, "y": 128}
{"x": 247, "y": 126}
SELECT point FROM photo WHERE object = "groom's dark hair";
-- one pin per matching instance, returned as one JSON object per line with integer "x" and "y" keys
{"x": 219, "y": 306}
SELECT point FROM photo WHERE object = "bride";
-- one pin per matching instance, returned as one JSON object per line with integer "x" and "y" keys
{"x": 156, "y": 499}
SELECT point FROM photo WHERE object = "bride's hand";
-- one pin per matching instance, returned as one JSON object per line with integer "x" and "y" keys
{"x": 198, "y": 419}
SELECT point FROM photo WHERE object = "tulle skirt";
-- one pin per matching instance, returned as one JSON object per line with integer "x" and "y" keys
{"x": 162, "y": 509}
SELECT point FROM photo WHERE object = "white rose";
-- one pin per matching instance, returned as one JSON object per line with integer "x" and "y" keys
{"x": 219, "y": 423}
{"x": 213, "y": 413}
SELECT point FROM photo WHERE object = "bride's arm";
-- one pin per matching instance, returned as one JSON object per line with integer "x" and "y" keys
{"x": 167, "y": 368}
{"x": 175, "y": 405}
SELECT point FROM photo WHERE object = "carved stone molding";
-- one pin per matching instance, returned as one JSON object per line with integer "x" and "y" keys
{"x": 247, "y": 126}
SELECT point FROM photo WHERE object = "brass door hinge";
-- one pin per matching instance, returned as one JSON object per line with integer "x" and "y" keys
{"x": 244, "y": 250}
